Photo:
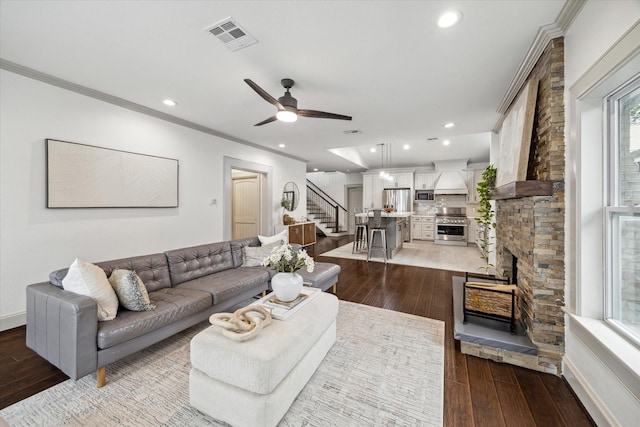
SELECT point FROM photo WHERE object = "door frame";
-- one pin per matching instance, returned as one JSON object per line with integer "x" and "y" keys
{"x": 266, "y": 193}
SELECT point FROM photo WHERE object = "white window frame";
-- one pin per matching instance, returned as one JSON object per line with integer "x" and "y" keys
{"x": 613, "y": 209}
{"x": 601, "y": 366}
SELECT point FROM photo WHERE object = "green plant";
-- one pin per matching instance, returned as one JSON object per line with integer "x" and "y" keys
{"x": 285, "y": 203}
{"x": 284, "y": 259}
{"x": 487, "y": 214}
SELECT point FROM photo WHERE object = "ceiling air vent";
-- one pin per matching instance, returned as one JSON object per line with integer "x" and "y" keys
{"x": 231, "y": 34}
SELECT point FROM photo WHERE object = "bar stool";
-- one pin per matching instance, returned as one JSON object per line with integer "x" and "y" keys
{"x": 361, "y": 238}
{"x": 376, "y": 227}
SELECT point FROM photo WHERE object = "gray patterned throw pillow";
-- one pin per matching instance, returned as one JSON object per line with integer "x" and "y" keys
{"x": 131, "y": 291}
{"x": 253, "y": 255}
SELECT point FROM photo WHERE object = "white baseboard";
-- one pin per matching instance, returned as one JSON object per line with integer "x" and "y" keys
{"x": 588, "y": 397}
{"x": 13, "y": 320}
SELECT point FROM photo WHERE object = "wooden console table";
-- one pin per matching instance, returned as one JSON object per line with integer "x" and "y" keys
{"x": 303, "y": 234}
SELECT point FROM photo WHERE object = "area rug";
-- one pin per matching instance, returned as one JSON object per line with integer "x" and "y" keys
{"x": 386, "y": 368}
{"x": 422, "y": 254}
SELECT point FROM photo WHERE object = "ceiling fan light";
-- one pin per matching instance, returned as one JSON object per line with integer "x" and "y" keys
{"x": 287, "y": 116}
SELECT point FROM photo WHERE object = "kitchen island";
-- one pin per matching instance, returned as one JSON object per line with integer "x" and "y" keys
{"x": 397, "y": 225}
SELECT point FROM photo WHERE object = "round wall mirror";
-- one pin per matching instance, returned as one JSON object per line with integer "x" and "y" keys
{"x": 290, "y": 196}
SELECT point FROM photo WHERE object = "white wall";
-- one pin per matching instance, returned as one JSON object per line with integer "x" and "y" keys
{"x": 353, "y": 178}
{"x": 35, "y": 240}
{"x": 602, "y": 368}
{"x": 332, "y": 183}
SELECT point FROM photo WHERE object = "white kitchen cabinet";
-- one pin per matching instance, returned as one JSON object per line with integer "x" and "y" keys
{"x": 472, "y": 231}
{"x": 423, "y": 227}
{"x": 428, "y": 228}
{"x": 372, "y": 186}
{"x": 425, "y": 180}
{"x": 416, "y": 228}
{"x": 401, "y": 180}
{"x": 476, "y": 233}
{"x": 367, "y": 191}
{"x": 473, "y": 178}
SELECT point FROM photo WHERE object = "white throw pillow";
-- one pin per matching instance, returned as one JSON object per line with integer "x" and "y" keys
{"x": 130, "y": 290}
{"x": 90, "y": 280}
{"x": 281, "y": 238}
{"x": 253, "y": 255}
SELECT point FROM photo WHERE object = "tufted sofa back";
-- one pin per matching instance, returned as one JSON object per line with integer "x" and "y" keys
{"x": 237, "y": 251}
{"x": 152, "y": 269}
{"x": 191, "y": 263}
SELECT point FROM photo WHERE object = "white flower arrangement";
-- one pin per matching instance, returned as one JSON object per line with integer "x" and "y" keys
{"x": 284, "y": 259}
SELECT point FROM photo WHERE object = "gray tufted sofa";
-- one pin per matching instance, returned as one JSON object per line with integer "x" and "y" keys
{"x": 187, "y": 285}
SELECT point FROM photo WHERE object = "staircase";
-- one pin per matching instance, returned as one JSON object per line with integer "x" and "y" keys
{"x": 328, "y": 215}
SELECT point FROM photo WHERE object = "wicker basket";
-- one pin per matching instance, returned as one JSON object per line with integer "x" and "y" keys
{"x": 490, "y": 298}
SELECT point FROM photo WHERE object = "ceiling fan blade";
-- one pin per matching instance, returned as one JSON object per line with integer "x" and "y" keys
{"x": 270, "y": 99}
{"x": 269, "y": 120}
{"x": 322, "y": 115}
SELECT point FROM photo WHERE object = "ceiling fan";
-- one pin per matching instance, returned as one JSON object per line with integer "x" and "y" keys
{"x": 287, "y": 105}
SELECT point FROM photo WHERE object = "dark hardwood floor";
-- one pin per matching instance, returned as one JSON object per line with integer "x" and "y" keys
{"x": 477, "y": 392}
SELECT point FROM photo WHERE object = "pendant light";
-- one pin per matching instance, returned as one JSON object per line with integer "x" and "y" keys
{"x": 382, "y": 172}
{"x": 389, "y": 177}
{"x": 385, "y": 151}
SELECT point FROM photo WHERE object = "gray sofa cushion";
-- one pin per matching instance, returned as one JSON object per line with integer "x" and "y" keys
{"x": 324, "y": 275}
{"x": 152, "y": 269}
{"x": 172, "y": 304}
{"x": 197, "y": 261}
{"x": 236, "y": 249}
{"x": 227, "y": 284}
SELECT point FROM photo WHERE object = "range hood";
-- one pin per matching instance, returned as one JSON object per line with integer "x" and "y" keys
{"x": 450, "y": 182}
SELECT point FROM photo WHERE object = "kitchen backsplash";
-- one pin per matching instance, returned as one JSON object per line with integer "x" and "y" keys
{"x": 445, "y": 200}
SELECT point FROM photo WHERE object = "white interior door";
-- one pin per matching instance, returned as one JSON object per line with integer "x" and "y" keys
{"x": 245, "y": 212}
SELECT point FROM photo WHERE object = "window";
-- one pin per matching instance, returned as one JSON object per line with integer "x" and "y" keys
{"x": 622, "y": 306}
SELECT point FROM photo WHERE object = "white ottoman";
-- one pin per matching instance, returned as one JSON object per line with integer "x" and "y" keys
{"x": 254, "y": 383}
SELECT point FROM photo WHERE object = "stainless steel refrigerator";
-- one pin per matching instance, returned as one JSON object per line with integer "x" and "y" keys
{"x": 399, "y": 199}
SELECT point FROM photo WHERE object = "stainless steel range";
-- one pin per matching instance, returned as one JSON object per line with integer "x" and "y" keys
{"x": 451, "y": 226}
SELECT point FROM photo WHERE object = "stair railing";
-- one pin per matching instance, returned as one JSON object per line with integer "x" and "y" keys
{"x": 332, "y": 209}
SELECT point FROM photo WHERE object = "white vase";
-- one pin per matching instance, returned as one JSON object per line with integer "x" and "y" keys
{"x": 286, "y": 286}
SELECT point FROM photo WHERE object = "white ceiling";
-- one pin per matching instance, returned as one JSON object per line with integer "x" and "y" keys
{"x": 386, "y": 63}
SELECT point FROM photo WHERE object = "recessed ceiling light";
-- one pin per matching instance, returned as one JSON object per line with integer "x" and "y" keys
{"x": 170, "y": 102}
{"x": 449, "y": 125}
{"x": 373, "y": 150}
{"x": 281, "y": 145}
{"x": 406, "y": 146}
{"x": 449, "y": 19}
{"x": 446, "y": 142}
{"x": 315, "y": 169}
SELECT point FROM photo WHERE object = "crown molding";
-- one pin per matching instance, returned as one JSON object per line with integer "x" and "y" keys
{"x": 545, "y": 34}
{"x": 121, "y": 102}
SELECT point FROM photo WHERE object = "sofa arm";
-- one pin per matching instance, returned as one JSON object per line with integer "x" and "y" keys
{"x": 62, "y": 327}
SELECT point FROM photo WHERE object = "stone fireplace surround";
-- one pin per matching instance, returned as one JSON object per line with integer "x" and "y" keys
{"x": 530, "y": 235}
{"x": 530, "y": 227}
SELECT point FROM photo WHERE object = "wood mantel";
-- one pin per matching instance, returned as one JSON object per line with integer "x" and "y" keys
{"x": 518, "y": 189}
